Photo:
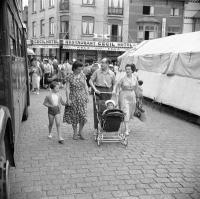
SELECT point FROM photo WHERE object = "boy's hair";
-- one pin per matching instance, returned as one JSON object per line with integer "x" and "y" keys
{"x": 53, "y": 84}
{"x": 140, "y": 82}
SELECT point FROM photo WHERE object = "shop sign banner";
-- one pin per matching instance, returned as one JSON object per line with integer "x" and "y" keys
{"x": 98, "y": 44}
{"x": 92, "y": 48}
{"x": 45, "y": 43}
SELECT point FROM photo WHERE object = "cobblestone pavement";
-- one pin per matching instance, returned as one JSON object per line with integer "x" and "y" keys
{"x": 162, "y": 160}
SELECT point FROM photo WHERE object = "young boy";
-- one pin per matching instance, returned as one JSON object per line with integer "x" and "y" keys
{"x": 140, "y": 97}
{"x": 54, "y": 101}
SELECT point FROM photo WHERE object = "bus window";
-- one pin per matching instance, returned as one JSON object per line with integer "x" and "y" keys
{"x": 12, "y": 33}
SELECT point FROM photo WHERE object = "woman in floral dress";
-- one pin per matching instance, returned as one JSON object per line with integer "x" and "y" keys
{"x": 77, "y": 98}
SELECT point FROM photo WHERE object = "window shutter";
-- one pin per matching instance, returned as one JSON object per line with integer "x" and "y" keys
{"x": 91, "y": 27}
{"x": 176, "y": 12}
{"x": 109, "y": 28}
{"x": 119, "y": 30}
{"x": 151, "y": 10}
{"x": 84, "y": 25}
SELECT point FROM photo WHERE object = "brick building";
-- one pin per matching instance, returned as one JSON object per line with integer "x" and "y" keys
{"x": 151, "y": 19}
{"x": 192, "y": 16}
{"x": 85, "y": 30}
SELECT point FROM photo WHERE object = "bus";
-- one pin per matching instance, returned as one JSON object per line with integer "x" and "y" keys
{"x": 14, "y": 86}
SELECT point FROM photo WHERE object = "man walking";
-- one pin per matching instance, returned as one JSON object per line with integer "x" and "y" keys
{"x": 102, "y": 80}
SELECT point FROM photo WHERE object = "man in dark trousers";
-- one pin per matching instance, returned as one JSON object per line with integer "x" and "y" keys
{"x": 102, "y": 80}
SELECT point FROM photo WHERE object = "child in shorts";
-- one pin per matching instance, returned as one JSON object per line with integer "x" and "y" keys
{"x": 140, "y": 97}
{"x": 54, "y": 101}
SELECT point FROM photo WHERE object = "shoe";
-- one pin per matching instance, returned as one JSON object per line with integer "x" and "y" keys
{"x": 50, "y": 136}
{"x": 75, "y": 137}
{"x": 37, "y": 93}
{"x": 61, "y": 141}
{"x": 81, "y": 137}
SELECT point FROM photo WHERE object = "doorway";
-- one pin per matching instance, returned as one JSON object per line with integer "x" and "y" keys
{"x": 146, "y": 35}
{"x": 114, "y": 32}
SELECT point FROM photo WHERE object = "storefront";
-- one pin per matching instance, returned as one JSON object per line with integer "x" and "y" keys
{"x": 92, "y": 51}
{"x": 84, "y": 51}
{"x": 45, "y": 47}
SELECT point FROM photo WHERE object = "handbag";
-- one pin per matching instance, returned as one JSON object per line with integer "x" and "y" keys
{"x": 140, "y": 114}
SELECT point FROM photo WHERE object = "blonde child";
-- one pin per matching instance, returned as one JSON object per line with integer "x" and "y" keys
{"x": 110, "y": 104}
{"x": 54, "y": 101}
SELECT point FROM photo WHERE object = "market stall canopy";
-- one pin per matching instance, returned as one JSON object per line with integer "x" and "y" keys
{"x": 170, "y": 70}
{"x": 172, "y": 55}
{"x": 30, "y": 51}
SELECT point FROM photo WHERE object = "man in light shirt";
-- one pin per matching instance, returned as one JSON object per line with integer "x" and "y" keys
{"x": 102, "y": 80}
{"x": 48, "y": 71}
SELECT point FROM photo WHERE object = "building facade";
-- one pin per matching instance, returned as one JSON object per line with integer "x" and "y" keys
{"x": 150, "y": 19}
{"x": 192, "y": 16}
{"x": 84, "y": 30}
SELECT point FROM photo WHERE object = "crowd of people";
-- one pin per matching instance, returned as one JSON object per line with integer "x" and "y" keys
{"x": 79, "y": 81}
{"x": 43, "y": 72}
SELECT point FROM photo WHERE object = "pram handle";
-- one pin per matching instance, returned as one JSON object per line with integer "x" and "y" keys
{"x": 104, "y": 92}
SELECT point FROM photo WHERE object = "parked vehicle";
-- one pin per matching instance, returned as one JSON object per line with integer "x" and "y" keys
{"x": 14, "y": 86}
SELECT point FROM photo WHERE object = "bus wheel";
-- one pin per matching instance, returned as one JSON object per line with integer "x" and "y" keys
{"x": 4, "y": 179}
{"x": 25, "y": 114}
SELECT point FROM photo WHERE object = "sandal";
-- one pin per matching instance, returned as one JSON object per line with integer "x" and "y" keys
{"x": 75, "y": 137}
{"x": 61, "y": 141}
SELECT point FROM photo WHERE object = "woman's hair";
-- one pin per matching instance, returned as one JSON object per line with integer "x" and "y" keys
{"x": 76, "y": 65}
{"x": 133, "y": 68}
{"x": 53, "y": 84}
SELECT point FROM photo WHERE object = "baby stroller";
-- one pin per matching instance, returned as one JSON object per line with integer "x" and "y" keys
{"x": 110, "y": 123}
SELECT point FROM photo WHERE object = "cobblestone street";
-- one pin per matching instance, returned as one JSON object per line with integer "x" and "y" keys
{"x": 162, "y": 160}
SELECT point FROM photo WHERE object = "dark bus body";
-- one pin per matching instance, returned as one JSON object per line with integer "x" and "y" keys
{"x": 14, "y": 86}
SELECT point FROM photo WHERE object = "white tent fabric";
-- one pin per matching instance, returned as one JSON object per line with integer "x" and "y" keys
{"x": 173, "y": 55}
{"x": 170, "y": 70}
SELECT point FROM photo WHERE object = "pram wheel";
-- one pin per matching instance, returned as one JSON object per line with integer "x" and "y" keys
{"x": 125, "y": 141}
{"x": 98, "y": 141}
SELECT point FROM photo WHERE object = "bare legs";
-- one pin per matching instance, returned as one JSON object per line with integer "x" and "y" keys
{"x": 51, "y": 121}
{"x": 78, "y": 134}
{"x": 126, "y": 128}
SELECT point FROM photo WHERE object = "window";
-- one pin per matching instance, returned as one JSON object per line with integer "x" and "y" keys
{"x": 42, "y": 26}
{"x": 147, "y": 32}
{"x": 88, "y": 2}
{"x": 148, "y": 10}
{"x": 64, "y": 26}
{"x": 51, "y": 26}
{"x": 115, "y": 7}
{"x": 64, "y": 5}
{"x": 87, "y": 25}
{"x": 33, "y": 6}
{"x": 172, "y": 30}
{"x": 51, "y": 3}
{"x": 34, "y": 29}
{"x": 41, "y": 4}
{"x": 115, "y": 32}
{"x": 174, "y": 12}
{"x": 12, "y": 33}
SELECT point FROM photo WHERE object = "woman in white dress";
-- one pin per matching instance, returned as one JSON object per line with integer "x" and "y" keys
{"x": 128, "y": 87}
{"x": 36, "y": 74}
